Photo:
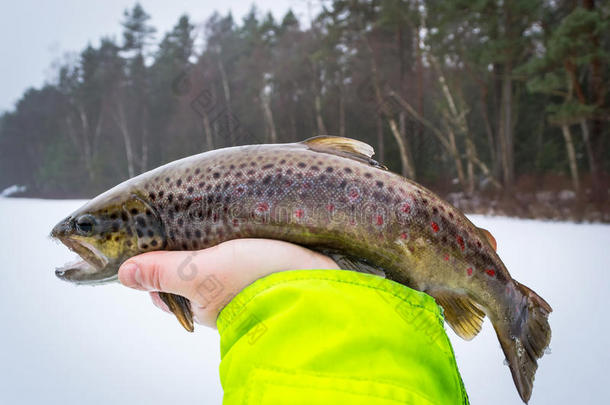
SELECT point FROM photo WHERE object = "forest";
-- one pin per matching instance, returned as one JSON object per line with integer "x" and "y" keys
{"x": 500, "y": 106}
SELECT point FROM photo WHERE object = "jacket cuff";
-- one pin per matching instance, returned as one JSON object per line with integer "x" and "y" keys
{"x": 325, "y": 336}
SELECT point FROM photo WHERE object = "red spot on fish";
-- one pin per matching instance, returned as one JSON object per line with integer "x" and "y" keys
{"x": 403, "y": 235}
{"x": 435, "y": 227}
{"x": 262, "y": 207}
{"x": 197, "y": 199}
{"x": 288, "y": 183}
{"x": 298, "y": 213}
{"x": 353, "y": 194}
{"x": 235, "y": 222}
{"x": 460, "y": 242}
{"x": 469, "y": 271}
{"x": 330, "y": 207}
{"x": 406, "y": 208}
{"x": 446, "y": 258}
{"x": 379, "y": 220}
{"x": 490, "y": 272}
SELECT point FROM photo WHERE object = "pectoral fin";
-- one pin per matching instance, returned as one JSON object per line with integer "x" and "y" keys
{"x": 181, "y": 307}
{"x": 461, "y": 313}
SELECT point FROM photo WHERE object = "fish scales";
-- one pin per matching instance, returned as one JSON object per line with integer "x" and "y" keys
{"x": 328, "y": 194}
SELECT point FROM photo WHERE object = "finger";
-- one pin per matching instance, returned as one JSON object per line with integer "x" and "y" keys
{"x": 158, "y": 302}
{"x": 173, "y": 272}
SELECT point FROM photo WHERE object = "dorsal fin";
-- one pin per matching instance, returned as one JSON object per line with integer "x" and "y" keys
{"x": 346, "y": 147}
{"x": 461, "y": 313}
{"x": 490, "y": 238}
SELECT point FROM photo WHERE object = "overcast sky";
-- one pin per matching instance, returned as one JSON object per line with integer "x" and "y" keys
{"x": 34, "y": 33}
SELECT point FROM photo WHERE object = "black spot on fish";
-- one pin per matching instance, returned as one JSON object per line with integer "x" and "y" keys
{"x": 170, "y": 197}
{"x": 124, "y": 216}
{"x": 368, "y": 175}
{"x": 250, "y": 172}
{"x": 180, "y": 222}
{"x": 435, "y": 211}
{"x": 161, "y": 192}
{"x": 115, "y": 227}
{"x": 150, "y": 233}
{"x": 141, "y": 222}
{"x": 198, "y": 233}
{"x": 148, "y": 213}
{"x": 152, "y": 196}
{"x": 282, "y": 161}
{"x": 177, "y": 207}
{"x": 322, "y": 177}
{"x": 134, "y": 211}
{"x": 144, "y": 246}
{"x": 314, "y": 168}
{"x": 190, "y": 189}
{"x": 267, "y": 179}
{"x": 184, "y": 246}
{"x": 216, "y": 175}
{"x": 379, "y": 183}
{"x": 301, "y": 164}
{"x": 179, "y": 182}
{"x": 347, "y": 170}
{"x": 113, "y": 215}
{"x": 197, "y": 170}
{"x": 139, "y": 232}
{"x": 187, "y": 233}
{"x": 200, "y": 185}
{"x": 208, "y": 187}
{"x": 289, "y": 172}
{"x": 153, "y": 242}
{"x": 329, "y": 169}
{"x": 343, "y": 184}
{"x": 167, "y": 179}
{"x": 267, "y": 166}
{"x": 128, "y": 243}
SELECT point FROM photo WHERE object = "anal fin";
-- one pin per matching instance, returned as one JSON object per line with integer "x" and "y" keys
{"x": 461, "y": 313}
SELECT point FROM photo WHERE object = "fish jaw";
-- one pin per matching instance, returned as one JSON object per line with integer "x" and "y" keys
{"x": 93, "y": 268}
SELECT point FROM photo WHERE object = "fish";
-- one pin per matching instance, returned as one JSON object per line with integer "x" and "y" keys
{"x": 326, "y": 193}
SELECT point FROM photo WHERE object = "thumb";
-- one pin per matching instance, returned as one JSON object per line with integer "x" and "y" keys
{"x": 173, "y": 272}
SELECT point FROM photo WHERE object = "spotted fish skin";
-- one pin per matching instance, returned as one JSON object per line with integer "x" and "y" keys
{"x": 340, "y": 202}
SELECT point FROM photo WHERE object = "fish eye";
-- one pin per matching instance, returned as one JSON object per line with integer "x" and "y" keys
{"x": 84, "y": 224}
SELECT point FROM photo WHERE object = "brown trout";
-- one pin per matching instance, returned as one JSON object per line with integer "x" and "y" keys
{"x": 326, "y": 193}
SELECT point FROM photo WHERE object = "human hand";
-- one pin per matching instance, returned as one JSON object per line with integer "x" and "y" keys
{"x": 231, "y": 265}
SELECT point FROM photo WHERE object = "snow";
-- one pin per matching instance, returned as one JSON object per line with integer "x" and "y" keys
{"x": 66, "y": 344}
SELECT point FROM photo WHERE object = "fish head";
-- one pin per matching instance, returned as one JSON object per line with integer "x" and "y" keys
{"x": 105, "y": 232}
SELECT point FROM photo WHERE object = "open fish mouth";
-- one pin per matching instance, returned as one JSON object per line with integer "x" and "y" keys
{"x": 92, "y": 267}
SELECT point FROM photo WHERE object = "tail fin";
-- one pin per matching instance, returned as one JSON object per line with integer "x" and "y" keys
{"x": 525, "y": 340}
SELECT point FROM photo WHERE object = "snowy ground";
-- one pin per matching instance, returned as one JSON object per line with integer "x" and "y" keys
{"x": 65, "y": 344}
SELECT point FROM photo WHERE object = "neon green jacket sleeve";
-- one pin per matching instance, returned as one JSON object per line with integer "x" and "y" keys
{"x": 311, "y": 337}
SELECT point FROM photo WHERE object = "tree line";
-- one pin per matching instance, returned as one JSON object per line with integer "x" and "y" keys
{"x": 460, "y": 95}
